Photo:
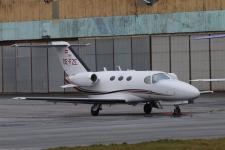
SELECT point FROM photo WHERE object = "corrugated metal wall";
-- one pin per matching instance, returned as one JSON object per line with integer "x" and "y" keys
{"x": 38, "y": 70}
{"x": 141, "y": 53}
{"x": 104, "y": 53}
{"x": 217, "y": 61}
{"x": 55, "y": 72}
{"x": 122, "y": 52}
{"x": 180, "y": 57}
{"x": 23, "y": 10}
{"x": 88, "y": 54}
{"x": 161, "y": 53}
{"x": 1, "y": 75}
{"x": 200, "y": 62}
{"x": 23, "y": 69}
{"x": 9, "y": 67}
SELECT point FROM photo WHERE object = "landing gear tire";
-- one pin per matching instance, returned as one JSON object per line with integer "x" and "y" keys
{"x": 147, "y": 108}
{"x": 177, "y": 110}
{"x": 95, "y": 113}
{"x": 95, "y": 109}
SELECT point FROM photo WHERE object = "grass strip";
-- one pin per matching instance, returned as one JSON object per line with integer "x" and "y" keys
{"x": 212, "y": 144}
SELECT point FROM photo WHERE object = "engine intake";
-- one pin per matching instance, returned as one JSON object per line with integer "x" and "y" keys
{"x": 94, "y": 77}
{"x": 84, "y": 79}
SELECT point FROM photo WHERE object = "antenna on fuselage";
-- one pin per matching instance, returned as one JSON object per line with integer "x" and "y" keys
{"x": 105, "y": 69}
{"x": 119, "y": 68}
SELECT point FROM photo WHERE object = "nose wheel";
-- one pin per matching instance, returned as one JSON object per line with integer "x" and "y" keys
{"x": 148, "y": 108}
{"x": 95, "y": 109}
{"x": 177, "y": 110}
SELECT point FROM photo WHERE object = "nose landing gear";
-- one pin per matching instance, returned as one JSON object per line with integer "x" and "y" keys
{"x": 95, "y": 109}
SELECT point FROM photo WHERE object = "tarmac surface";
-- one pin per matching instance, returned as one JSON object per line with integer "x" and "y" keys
{"x": 29, "y": 125}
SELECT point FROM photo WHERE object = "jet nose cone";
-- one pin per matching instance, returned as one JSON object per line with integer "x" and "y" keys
{"x": 187, "y": 91}
{"x": 194, "y": 92}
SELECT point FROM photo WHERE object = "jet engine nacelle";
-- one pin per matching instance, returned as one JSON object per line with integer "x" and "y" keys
{"x": 84, "y": 79}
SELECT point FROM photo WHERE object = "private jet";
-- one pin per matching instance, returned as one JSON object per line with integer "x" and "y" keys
{"x": 131, "y": 87}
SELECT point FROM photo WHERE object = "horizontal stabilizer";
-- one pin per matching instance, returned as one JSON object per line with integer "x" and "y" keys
{"x": 74, "y": 100}
{"x": 52, "y": 44}
{"x": 209, "y": 37}
{"x": 209, "y": 80}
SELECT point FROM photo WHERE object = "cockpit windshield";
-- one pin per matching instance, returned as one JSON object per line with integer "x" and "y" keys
{"x": 160, "y": 76}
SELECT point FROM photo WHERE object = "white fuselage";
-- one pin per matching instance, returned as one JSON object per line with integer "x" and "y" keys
{"x": 133, "y": 86}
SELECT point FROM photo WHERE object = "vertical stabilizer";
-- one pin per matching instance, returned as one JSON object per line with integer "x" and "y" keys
{"x": 70, "y": 61}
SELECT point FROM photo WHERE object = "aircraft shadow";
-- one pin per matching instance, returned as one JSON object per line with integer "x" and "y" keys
{"x": 161, "y": 114}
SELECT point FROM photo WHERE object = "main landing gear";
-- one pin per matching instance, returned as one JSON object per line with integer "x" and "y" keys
{"x": 148, "y": 108}
{"x": 177, "y": 110}
{"x": 95, "y": 109}
{"x": 149, "y": 105}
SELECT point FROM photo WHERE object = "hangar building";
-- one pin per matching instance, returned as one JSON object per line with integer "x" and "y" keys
{"x": 128, "y": 33}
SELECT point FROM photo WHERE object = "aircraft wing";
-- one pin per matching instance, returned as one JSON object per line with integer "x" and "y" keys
{"x": 74, "y": 100}
{"x": 209, "y": 80}
{"x": 206, "y": 92}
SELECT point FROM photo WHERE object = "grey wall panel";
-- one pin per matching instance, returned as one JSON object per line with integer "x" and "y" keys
{"x": 180, "y": 57}
{"x": 160, "y": 53}
{"x": 75, "y": 48}
{"x": 23, "y": 65}
{"x": 9, "y": 69}
{"x": 1, "y": 71}
{"x": 39, "y": 70}
{"x": 87, "y": 53}
{"x": 55, "y": 72}
{"x": 122, "y": 52}
{"x": 141, "y": 53}
{"x": 218, "y": 62}
{"x": 104, "y": 51}
{"x": 200, "y": 62}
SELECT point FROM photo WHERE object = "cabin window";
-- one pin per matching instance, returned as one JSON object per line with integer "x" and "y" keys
{"x": 120, "y": 78}
{"x": 158, "y": 77}
{"x": 129, "y": 78}
{"x": 112, "y": 78}
{"x": 147, "y": 80}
